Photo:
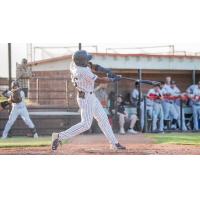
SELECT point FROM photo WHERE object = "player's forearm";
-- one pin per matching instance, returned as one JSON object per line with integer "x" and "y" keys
{"x": 99, "y": 68}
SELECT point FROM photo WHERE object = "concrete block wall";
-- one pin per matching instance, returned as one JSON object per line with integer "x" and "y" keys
{"x": 52, "y": 88}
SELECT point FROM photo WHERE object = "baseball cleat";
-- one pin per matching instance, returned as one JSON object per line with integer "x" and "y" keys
{"x": 122, "y": 131}
{"x": 155, "y": 131}
{"x": 35, "y": 136}
{"x": 132, "y": 131}
{"x": 55, "y": 141}
{"x": 3, "y": 137}
{"x": 118, "y": 146}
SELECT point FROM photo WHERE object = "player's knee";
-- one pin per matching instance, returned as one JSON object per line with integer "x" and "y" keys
{"x": 176, "y": 116}
{"x": 86, "y": 126}
{"x": 134, "y": 117}
{"x": 121, "y": 116}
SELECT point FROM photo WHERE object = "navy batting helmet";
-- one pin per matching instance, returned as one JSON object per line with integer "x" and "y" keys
{"x": 14, "y": 84}
{"x": 81, "y": 58}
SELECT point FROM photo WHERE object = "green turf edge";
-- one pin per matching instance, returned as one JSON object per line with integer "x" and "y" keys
{"x": 14, "y": 142}
{"x": 176, "y": 138}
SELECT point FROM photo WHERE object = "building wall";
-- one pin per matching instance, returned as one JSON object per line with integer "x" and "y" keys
{"x": 149, "y": 62}
{"x": 3, "y": 84}
{"x": 52, "y": 88}
{"x": 51, "y": 84}
{"x": 142, "y": 61}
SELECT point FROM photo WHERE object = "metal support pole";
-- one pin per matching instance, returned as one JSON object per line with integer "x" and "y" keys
{"x": 37, "y": 89}
{"x": 139, "y": 98}
{"x": 66, "y": 94}
{"x": 145, "y": 114}
{"x": 79, "y": 46}
{"x": 9, "y": 70}
{"x": 9, "y": 65}
{"x": 115, "y": 105}
{"x": 193, "y": 77}
{"x": 181, "y": 113}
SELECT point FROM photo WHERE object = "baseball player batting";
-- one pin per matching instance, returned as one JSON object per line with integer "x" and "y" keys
{"x": 90, "y": 107}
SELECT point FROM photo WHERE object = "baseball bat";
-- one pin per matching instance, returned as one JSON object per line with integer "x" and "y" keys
{"x": 99, "y": 68}
{"x": 148, "y": 82}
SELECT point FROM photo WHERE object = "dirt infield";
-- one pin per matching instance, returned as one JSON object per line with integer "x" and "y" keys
{"x": 97, "y": 145}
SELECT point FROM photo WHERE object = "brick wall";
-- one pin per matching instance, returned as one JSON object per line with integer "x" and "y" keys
{"x": 3, "y": 84}
{"x": 53, "y": 88}
{"x": 3, "y": 81}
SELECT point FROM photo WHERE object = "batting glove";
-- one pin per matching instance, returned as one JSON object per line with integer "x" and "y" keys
{"x": 116, "y": 78}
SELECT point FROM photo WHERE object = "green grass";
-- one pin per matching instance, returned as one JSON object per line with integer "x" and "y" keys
{"x": 25, "y": 142}
{"x": 2, "y": 99}
{"x": 176, "y": 138}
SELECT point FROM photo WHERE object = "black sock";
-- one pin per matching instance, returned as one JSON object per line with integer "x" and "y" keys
{"x": 165, "y": 122}
{"x": 33, "y": 130}
{"x": 174, "y": 121}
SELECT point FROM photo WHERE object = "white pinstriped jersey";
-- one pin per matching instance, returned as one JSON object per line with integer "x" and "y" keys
{"x": 83, "y": 78}
{"x": 90, "y": 107}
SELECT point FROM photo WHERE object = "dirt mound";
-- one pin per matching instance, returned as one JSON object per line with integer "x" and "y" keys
{"x": 98, "y": 145}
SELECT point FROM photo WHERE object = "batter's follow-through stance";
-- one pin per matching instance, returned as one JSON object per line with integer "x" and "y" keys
{"x": 90, "y": 107}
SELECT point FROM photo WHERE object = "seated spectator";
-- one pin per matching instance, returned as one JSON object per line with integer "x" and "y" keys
{"x": 124, "y": 116}
{"x": 127, "y": 99}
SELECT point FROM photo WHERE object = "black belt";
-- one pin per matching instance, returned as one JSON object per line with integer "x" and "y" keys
{"x": 81, "y": 94}
{"x": 171, "y": 102}
{"x": 84, "y": 92}
{"x": 158, "y": 102}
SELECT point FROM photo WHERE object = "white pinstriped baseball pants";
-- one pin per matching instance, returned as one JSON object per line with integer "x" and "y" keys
{"x": 16, "y": 111}
{"x": 90, "y": 107}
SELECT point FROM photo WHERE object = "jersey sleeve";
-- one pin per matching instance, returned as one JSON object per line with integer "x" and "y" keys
{"x": 8, "y": 94}
{"x": 196, "y": 92}
{"x": 22, "y": 94}
{"x": 188, "y": 90}
{"x": 88, "y": 75}
{"x": 177, "y": 92}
